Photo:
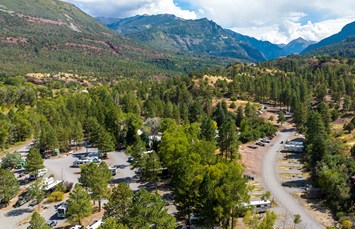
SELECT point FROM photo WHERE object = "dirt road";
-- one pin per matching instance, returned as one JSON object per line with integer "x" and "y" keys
{"x": 273, "y": 184}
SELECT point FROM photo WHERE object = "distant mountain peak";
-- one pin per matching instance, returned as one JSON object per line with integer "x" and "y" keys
{"x": 201, "y": 36}
{"x": 297, "y": 45}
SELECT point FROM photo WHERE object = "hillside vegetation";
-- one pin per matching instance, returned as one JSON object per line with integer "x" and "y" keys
{"x": 201, "y": 37}
{"x": 50, "y": 36}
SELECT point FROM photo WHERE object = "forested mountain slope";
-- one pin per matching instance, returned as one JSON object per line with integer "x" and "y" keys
{"x": 51, "y": 35}
{"x": 201, "y": 36}
{"x": 345, "y": 48}
{"x": 347, "y": 31}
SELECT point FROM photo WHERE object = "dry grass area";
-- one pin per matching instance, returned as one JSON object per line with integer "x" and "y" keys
{"x": 228, "y": 101}
{"x": 213, "y": 79}
{"x": 337, "y": 127}
{"x": 40, "y": 78}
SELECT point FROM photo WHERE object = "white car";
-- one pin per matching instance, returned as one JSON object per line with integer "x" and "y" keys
{"x": 76, "y": 227}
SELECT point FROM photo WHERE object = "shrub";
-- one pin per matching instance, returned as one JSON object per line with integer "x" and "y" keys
{"x": 346, "y": 224}
{"x": 232, "y": 105}
{"x": 233, "y": 98}
{"x": 352, "y": 151}
{"x": 349, "y": 127}
{"x": 56, "y": 197}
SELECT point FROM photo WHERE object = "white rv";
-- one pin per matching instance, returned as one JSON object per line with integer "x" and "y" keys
{"x": 94, "y": 225}
{"x": 260, "y": 206}
{"x": 77, "y": 163}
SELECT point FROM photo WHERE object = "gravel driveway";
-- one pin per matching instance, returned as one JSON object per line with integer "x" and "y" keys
{"x": 273, "y": 184}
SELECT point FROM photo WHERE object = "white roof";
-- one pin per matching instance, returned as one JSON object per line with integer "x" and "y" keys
{"x": 258, "y": 202}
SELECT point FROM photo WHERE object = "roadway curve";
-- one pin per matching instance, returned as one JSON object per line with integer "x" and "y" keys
{"x": 273, "y": 184}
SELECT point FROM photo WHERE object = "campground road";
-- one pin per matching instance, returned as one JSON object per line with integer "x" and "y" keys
{"x": 273, "y": 184}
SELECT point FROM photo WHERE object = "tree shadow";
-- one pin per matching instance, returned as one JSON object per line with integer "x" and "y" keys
{"x": 18, "y": 212}
{"x": 125, "y": 180}
{"x": 302, "y": 183}
{"x": 121, "y": 166}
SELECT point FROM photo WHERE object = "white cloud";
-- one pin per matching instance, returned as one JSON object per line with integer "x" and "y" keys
{"x": 278, "y": 21}
{"x": 127, "y": 8}
{"x": 288, "y": 30}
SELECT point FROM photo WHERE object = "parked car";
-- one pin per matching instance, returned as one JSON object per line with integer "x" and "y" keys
{"x": 33, "y": 203}
{"x": 52, "y": 223}
{"x": 249, "y": 177}
{"x": 260, "y": 143}
{"x": 265, "y": 140}
{"x": 252, "y": 147}
{"x": 130, "y": 160}
{"x": 24, "y": 198}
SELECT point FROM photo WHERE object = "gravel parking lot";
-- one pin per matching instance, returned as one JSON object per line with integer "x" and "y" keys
{"x": 61, "y": 168}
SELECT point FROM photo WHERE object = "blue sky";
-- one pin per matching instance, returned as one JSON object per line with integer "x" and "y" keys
{"x": 278, "y": 21}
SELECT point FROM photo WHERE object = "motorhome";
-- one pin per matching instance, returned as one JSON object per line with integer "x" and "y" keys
{"x": 50, "y": 184}
{"x": 77, "y": 163}
{"x": 260, "y": 206}
{"x": 62, "y": 210}
{"x": 94, "y": 225}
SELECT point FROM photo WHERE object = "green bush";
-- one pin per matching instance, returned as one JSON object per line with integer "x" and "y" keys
{"x": 232, "y": 105}
{"x": 55, "y": 197}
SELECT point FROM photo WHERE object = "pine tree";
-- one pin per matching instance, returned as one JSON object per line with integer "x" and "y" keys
{"x": 112, "y": 223}
{"x": 119, "y": 203}
{"x": 38, "y": 222}
{"x": 96, "y": 178}
{"x": 36, "y": 191}
{"x": 79, "y": 205}
{"x": 8, "y": 186}
{"x": 149, "y": 204}
{"x": 34, "y": 161}
{"x": 11, "y": 160}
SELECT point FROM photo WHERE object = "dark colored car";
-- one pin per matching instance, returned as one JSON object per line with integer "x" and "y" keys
{"x": 260, "y": 144}
{"x": 24, "y": 198}
{"x": 130, "y": 160}
{"x": 52, "y": 223}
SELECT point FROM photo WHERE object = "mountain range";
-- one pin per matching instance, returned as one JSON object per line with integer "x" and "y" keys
{"x": 202, "y": 37}
{"x": 342, "y": 43}
{"x": 55, "y": 36}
